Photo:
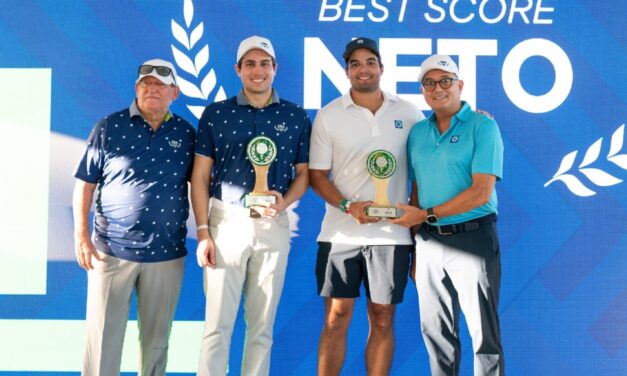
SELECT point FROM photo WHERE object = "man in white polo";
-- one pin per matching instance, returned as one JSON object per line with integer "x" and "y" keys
{"x": 354, "y": 247}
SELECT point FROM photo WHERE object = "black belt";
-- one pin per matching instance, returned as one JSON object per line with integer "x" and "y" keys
{"x": 456, "y": 228}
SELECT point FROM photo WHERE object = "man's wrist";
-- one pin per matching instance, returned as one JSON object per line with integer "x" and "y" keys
{"x": 345, "y": 206}
{"x": 202, "y": 227}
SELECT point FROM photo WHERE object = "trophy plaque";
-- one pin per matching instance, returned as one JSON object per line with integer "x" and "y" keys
{"x": 381, "y": 166}
{"x": 261, "y": 151}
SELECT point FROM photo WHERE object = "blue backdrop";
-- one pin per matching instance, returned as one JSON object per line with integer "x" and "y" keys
{"x": 553, "y": 73}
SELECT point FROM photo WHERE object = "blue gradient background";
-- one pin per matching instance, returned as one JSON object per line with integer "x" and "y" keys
{"x": 564, "y": 296}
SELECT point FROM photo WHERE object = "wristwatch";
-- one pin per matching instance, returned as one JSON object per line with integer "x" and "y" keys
{"x": 431, "y": 217}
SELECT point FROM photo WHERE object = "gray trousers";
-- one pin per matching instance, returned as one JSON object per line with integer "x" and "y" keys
{"x": 109, "y": 290}
{"x": 453, "y": 272}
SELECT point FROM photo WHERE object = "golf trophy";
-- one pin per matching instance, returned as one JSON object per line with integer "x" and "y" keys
{"x": 261, "y": 151}
{"x": 381, "y": 166}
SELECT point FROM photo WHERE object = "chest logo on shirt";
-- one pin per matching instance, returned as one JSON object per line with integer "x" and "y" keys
{"x": 398, "y": 124}
{"x": 454, "y": 139}
{"x": 175, "y": 143}
{"x": 281, "y": 127}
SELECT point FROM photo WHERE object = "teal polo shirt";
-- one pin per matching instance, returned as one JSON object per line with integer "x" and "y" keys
{"x": 442, "y": 165}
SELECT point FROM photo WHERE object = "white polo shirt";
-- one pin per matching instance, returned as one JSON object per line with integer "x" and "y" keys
{"x": 343, "y": 135}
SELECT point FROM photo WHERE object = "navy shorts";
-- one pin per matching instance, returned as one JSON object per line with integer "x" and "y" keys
{"x": 341, "y": 268}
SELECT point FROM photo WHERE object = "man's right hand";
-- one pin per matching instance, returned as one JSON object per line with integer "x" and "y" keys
{"x": 85, "y": 249}
{"x": 358, "y": 211}
{"x": 206, "y": 251}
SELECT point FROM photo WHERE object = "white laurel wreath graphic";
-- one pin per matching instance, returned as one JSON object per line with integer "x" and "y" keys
{"x": 189, "y": 40}
{"x": 597, "y": 176}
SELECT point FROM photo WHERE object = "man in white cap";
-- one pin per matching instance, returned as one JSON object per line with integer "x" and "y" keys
{"x": 243, "y": 247}
{"x": 140, "y": 160}
{"x": 455, "y": 158}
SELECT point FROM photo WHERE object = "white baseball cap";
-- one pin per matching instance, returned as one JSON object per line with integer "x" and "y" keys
{"x": 252, "y": 43}
{"x": 167, "y": 76}
{"x": 441, "y": 62}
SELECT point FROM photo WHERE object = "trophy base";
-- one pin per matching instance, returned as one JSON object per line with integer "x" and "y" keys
{"x": 382, "y": 212}
{"x": 259, "y": 200}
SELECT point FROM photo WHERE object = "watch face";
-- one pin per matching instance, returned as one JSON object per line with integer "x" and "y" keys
{"x": 432, "y": 219}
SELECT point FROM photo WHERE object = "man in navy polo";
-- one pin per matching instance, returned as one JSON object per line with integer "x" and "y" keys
{"x": 244, "y": 250}
{"x": 455, "y": 159}
{"x": 139, "y": 161}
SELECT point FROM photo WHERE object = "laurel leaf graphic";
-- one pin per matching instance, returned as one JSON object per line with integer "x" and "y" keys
{"x": 617, "y": 141}
{"x": 196, "y": 110}
{"x": 592, "y": 154}
{"x": 188, "y": 12}
{"x": 183, "y": 61}
{"x": 619, "y": 160}
{"x": 202, "y": 58}
{"x": 189, "y": 89}
{"x": 221, "y": 95}
{"x": 600, "y": 177}
{"x": 208, "y": 83}
{"x": 180, "y": 34}
{"x": 567, "y": 163}
{"x": 195, "y": 35}
{"x": 574, "y": 185}
{"x": 200, "y": 61}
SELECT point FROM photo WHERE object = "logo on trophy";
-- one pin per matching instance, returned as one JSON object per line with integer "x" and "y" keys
{"x": 381, "y": 166}
{"x": 261, "y": 151}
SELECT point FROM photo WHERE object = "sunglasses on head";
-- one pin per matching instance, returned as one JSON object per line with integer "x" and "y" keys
{"x": 161, "y": 71}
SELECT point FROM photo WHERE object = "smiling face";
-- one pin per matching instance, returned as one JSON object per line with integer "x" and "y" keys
{"x": 153, "y": 96}
{"x": 364, "y": 71}
{"x": 443, "y": 100}
{"x": 256, "y": 70}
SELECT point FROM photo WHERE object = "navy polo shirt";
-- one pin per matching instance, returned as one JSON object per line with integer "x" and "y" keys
{"x": 141, "y": 176}
{"x": 226, "y": 127}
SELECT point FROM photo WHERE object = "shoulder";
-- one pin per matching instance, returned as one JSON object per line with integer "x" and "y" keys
{"x": 217, "y": 107}
{"x": 179, "y": 120}
{"x": 336, "y": 104}
{"x": 292, "y": 108}
{"x": 116, "y": 118}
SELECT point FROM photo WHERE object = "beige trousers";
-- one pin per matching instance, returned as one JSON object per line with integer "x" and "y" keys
{"x": 251, "y": 257}
{"x": 109, "y": 290}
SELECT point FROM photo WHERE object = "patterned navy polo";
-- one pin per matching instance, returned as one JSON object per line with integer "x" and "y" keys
{"x": 141, "y": 176}
{"x": 225, "y": 129}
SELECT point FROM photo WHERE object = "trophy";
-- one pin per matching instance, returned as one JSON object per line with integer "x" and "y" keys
{"x": 381, "y": 166}
{"x": 261, "y": 151}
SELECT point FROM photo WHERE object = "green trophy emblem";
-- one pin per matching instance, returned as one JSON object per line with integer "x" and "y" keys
{"x": 381, "y": 166}
{"x": 261, "y": 151}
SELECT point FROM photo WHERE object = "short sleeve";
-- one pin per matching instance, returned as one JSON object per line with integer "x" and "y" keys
{"x": 204, "y": 137}
{"x": 302, "y": 155}
{"x": 488, "y": 156}
{"x": 321, "y": 150}
{"x": 90, "y": 166}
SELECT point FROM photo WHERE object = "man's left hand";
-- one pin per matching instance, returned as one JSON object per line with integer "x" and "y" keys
{"x": 411, "y": 216}
{"x": 272, "y": 210}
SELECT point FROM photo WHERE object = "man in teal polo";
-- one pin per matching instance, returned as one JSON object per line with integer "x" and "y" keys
{"x": 455, "y": 158}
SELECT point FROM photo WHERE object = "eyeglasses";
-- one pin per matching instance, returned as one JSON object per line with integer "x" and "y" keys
{"x": 161, "y": 70}
{"x": 444, "y": 83}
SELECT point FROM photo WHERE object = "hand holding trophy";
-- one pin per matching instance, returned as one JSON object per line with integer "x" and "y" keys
{"x": 261, "y": 151}
{"x": 381, "y": 166}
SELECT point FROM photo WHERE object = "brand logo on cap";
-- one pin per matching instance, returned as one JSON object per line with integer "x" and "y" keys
{"x": 359, "y": 41}
{"x": 443, "y": 63}
{"x": 264, "y": 44}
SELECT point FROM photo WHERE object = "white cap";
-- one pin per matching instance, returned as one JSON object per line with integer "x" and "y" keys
{"x": 252, "y": 43}
{"x": 168, "y": 80}
{"x": 441, "y": 62}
